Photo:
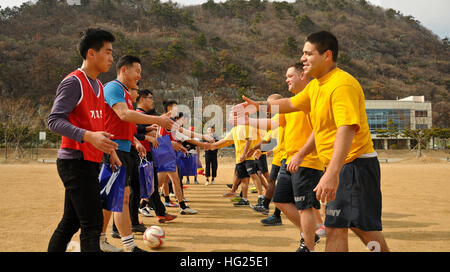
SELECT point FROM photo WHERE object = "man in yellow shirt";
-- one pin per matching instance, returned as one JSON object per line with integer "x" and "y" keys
{"x": 351, "y": 183}
{"x": 294, "y": 194}
{"x": 243, "y": 138}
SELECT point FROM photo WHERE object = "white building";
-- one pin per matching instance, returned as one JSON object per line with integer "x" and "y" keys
{"x": 407, "y": 113}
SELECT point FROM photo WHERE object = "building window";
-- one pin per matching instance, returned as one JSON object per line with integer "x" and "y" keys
{"x": 378, "y": 118}
{"x": 421, "y": 126}
{"x": 421, "y": 113}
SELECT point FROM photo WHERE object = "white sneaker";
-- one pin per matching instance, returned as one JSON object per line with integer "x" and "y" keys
{"x": 206, "y": 183}
{"x": 187, "y": 210}
{"x": 146, "y": 212}
{"x": 213, "y": 182}
{"x": 107, "y": 247}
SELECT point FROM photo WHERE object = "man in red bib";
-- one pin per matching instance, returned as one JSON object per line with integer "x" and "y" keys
{"x": 78, "y": 114}
{"x": 121, "y": 120}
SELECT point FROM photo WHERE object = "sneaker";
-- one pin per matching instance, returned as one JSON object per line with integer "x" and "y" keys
{"x": 115, "y": 234}
{"x": 213, "y": 182}
{"x": 230, "y": 186}
{"x": 170, "y": 204}
{"x": 206, "y": 183}
{"x": 230, "y": 194}
{"x": 271, "y": 221}
{"x": 146, "y": 212}
{"x": 136, "y": 249}
{"x": 241, "y": 203}
{"x": 302, "y": 241}
{"x": 187, "y": 210}
{"x": 321, "y": 231}
{"x": 138, "y": 228}
{"x": 303, "y": 248}
{"x": 107, "y": 247}
{"x": 260, "y": 208}
{"x": 165, "y": 218}
{"x": 236, "y": 199}
{"x": 253, "y": 190}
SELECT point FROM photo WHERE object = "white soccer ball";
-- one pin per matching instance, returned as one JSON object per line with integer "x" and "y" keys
{"x": 154, "y": 237}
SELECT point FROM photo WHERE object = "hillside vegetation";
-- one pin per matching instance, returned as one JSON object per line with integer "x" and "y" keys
{"x": 221, "y": 50}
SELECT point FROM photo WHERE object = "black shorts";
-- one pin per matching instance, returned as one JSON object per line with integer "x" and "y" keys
{"x": 358, "y": 197}
{"x": 274, "y": 172}
{"x": 245, "y": 169}
{"x": 125, "y": 158}
{"x": 261, "y": 163}
{"x": 297, "y": 188}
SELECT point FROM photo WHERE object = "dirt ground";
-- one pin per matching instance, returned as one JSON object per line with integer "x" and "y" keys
{"x": 416, "y": 212}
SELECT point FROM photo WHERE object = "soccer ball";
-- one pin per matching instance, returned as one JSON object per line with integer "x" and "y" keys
{"x": 154, "y": 237}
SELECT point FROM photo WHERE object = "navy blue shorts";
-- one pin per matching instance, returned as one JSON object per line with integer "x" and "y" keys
{"x": 274, "y": 172}
{"x": 297, "y": 188}
{"x": 358, "y": 197}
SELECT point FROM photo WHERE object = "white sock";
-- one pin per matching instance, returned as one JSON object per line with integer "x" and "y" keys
{"x": 128, "y": 243}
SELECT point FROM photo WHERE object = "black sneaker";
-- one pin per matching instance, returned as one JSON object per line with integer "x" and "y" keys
{"x": 242, "y": 203}
{"x": 302, "y": 241}
{"x": 271, "y": 221}
{"x": 303, "y": 248}
{"x": 136, "y": 249}
{"x": 138, "y": 228}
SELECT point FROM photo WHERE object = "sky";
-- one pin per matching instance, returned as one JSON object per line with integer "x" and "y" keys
{"x": 432, "y": 14}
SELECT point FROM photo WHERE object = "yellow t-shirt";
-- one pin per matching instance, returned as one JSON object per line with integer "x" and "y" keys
{"x": 239, "y": 134}
{"x": 297, "y": 130}
{"x": 278, "y": 152}
{"x": 335, "y": 100}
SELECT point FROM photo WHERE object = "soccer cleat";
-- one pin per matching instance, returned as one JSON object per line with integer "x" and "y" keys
{"x": 146, "y": 212}
{"x": 242, "y": 203}
{"x": 170, "y": 204}
{"x": 107, "y": 247}
{"x": 187, "y": 210}
{"x": 165, "y": 218}
{"x": 271, "y": 221}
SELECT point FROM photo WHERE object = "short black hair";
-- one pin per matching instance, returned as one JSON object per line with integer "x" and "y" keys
{"x": 168, "y": 103}
{"x": 143, "y": 93}
{"x": 126, "y": 60}
{"x": 324, "y": 40}
{"x": 93, "y": 38}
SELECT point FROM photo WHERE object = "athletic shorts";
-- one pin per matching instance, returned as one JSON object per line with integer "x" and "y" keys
{"x": 297, "y": 188}
{"x": 261, "y": 163}
{"x": 125, "y": 158}
{"x": 274, "y": 172}
{"x": 358, "y": 197}
{"x": 245, "y": 169}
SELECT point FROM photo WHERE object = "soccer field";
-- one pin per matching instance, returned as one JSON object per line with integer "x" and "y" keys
{"x": 416, "y": 212}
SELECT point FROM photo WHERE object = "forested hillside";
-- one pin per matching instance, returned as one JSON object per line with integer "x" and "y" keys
{"x": 220, "y": 50}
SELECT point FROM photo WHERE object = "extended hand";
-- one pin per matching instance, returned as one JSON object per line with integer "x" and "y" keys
{"x": 100, "y": 140}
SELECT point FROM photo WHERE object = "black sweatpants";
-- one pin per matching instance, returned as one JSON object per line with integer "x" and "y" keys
{"x": 211, "y": 164}
{"x": 82, "y": 206}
